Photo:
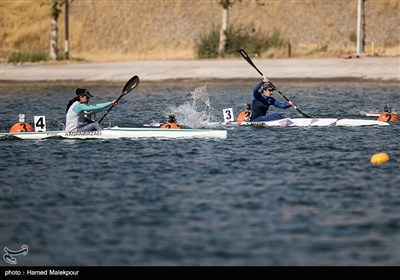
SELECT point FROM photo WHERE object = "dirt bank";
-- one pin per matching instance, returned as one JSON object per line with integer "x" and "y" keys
{"x": 365, "y": 68}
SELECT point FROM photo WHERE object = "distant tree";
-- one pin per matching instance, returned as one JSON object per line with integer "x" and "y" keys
{"x": 223, "y": 34}
{"x": 55, "y": 12}
{"x": 360, "y": 27}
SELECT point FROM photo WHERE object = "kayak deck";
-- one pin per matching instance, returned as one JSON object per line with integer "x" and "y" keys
{"x": 312, "y": 122}
{"x": 119, "y": 132}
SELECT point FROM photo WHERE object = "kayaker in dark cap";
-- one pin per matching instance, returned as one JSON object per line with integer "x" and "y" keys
{"x": 262, "y": 94}
{"x": 76, "y": 108}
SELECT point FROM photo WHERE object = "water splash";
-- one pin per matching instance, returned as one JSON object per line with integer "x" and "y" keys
{"x": 376, "y": 106}
{"x": 196, "y": 112}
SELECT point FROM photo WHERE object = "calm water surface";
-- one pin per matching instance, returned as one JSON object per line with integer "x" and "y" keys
{"x": 263, "y": 196}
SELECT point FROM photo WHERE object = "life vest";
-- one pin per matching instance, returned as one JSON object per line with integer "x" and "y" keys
{"x": 21, "y": 127}
{"x": 171, "y": 126}
{"x": 243, "y": 115}
{"x": 388, "y": 117}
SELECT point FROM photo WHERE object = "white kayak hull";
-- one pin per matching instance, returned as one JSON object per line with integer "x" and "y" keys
{"x": 373, "y": 114}
{"x": 312, "y": 122}
{"x": 377, "y": 114}
{"x": 119, "y": 132}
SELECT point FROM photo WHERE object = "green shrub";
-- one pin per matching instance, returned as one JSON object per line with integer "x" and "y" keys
{"x": 321, "y": 49}
{"x": 207, "y": 47}
{"x": 247, "y": 38}
{"x": 30, "y": 56}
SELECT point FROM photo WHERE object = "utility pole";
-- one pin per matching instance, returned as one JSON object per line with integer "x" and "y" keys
{"x": 66, "y": 31}
{"x": 360, "y": 28}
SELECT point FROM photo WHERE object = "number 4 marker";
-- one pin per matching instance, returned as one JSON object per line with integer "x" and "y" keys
{"x": 39, "y": 123}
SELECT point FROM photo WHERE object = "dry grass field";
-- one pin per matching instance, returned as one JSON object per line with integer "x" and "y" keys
{"x": 116, "y": 30}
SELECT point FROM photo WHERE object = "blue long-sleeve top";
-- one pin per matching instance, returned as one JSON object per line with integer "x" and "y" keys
{"x": 261, "y": 103}
{"x": 267, "y": 100}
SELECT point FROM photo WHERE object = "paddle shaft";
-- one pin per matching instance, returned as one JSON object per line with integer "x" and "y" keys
{"x": 109, "y": 109}
{"x": 249, "y": 61}
{"x": 130, "y": 85}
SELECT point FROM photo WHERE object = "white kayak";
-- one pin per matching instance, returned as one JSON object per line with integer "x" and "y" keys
{"x": 373, "y": 114}
{"x": 311, "y": 122}
{"x": 377, "y": 114}
{"x": 119, "y": 132}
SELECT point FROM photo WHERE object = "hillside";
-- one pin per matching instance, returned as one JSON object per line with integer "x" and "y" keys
{"x": 149, "y": 29}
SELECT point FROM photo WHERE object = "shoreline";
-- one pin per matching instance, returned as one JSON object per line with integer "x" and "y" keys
{"x": 194, "y": 81}
{"x": 376, "y": 69}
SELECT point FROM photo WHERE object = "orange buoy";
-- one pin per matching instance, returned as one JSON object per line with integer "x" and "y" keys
{"x": 171, "y": 123}
{"x": 379, "y": 158}
{"x": 245, "y": 115}
{"x": 21, "y": 127}
{"x": 171, "y": 126}
{"x": 388, "y": 117}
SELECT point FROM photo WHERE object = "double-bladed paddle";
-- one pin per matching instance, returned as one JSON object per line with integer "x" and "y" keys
{"x": 130, "y": 85}
{"x": 249, "y": 61}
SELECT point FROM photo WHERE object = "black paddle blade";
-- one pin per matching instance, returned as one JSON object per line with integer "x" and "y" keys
{"x": 249, "y": 61}
{"x": 131, "y": 84}
{"x": 303, "y": 114}
{"x": 244, "y": 54}
{"x": 246, "y": 57}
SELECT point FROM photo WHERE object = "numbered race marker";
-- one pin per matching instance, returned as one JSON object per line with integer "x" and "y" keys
{"x": 39, "y": 123}
{"x": 228, "y": 115}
